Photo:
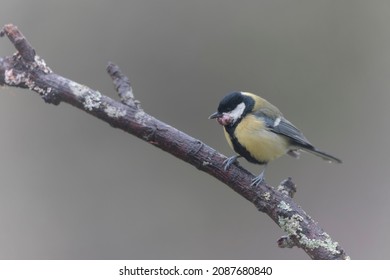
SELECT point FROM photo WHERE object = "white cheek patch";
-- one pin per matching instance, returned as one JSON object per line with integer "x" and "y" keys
{"x": 236, "y": 113}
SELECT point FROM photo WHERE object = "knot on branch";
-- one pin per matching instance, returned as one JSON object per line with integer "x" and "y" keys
{"x": 286, "y": 242}
{"x": 287, "y": 187}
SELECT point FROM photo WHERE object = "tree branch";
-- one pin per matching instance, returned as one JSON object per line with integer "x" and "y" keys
{"x": 25, "y": 69}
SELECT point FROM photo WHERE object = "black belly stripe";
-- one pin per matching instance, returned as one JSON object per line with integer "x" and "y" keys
{"x": 238, "y": 148}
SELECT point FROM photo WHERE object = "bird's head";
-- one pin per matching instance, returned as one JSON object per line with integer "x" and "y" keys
{"x": 232, "y": 108}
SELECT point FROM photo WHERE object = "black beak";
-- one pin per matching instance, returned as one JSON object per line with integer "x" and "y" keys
{"x": 215, "y": 115}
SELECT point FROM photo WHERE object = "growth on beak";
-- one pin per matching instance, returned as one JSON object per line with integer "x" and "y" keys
{"x": 222, "y": 118}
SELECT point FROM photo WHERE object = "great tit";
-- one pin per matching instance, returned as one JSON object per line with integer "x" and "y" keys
{"x": 256, "y": 130}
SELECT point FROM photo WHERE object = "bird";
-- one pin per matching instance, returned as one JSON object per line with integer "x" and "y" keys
{"x": 257, "y": 131}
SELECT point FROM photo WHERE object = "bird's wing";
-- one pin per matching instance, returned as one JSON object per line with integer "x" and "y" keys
{"x": 280, "y": 125}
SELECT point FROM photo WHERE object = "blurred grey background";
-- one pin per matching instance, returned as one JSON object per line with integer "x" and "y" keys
{"x": 72, "y": 187}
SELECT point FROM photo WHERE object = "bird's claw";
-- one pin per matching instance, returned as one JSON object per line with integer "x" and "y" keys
{"x": 258, "y": 179}
{"x": 229, "y": 161}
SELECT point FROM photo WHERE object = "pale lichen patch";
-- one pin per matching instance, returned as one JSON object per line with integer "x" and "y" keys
{"x": 291, "y": 225}
{"x": 141, "y": 117}
{"x": 266, "y": 196}
{"x": 114, "y": 112}
{"x": 10, "y": 78}
{"x": 78, "y": 89}
{"x": 282, "y": 189}
{"x": 92, "y": 100}
{"x": 327, "y": 244}
{"x": 41, "y": 64}
{"x": 285, "y": 206}
{"x": 40, "y": 90}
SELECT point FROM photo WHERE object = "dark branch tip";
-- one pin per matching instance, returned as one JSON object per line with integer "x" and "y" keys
{"x": 122, "y": 86}
{"x": 287, "y": 187}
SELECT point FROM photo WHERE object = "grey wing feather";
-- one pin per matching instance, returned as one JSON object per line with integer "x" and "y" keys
{"x": 289, "y": 130}
{"x": 283, "y": 127}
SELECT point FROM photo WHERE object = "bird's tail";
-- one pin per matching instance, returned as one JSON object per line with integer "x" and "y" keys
{"x": 321, "y": 154}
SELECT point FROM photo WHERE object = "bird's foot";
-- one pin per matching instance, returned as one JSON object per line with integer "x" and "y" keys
{"x": 229, "y": 161}
{"x": 258, "y": 179}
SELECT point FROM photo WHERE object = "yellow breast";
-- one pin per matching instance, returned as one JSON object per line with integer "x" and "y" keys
{"x": 262, "y": 144}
